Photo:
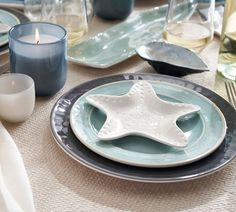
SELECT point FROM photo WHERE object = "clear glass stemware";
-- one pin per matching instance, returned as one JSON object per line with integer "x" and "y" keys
{"x": 70, "y": 14}
{"x": 196, "y": 29}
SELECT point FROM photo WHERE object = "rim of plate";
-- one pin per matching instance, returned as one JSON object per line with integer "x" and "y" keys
{"x": 107, "y": 172}
{"x": 101, "y": 65}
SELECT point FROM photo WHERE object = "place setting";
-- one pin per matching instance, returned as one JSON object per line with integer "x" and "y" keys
{"x": 133, "y": 155}
{"x": 160, "y": 127}
{"x": 182, "y": 124}
{"x": 97, "y": 123}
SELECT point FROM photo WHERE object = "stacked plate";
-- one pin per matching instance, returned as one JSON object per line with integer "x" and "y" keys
{"x": 210, "y": 133}
{"x": 19, "y": 4}
{"x": 9, "y": 17}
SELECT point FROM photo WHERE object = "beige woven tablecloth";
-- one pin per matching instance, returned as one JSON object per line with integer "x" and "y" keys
{"x": 61, "y": 184}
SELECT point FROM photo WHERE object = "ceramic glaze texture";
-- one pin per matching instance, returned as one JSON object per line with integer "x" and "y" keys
{"x": 142, "y": 112}
{"x": 118, "y": 43}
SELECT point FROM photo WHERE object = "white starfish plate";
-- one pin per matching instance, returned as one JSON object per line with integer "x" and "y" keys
{"x": 141, "y": 112}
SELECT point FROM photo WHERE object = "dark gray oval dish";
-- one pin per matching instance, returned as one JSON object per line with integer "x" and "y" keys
{"x": 171, "y": 59}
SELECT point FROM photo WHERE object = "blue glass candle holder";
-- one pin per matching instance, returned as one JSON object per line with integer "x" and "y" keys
{"x": 39, "y": 50}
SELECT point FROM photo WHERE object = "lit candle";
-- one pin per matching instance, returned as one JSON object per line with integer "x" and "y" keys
{"x": 17, "y": 97}
{"x": 38, "y": 38}
{"x": 39, "y": 50}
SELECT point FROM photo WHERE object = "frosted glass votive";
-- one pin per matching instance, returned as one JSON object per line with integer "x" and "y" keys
{"x": 17, "y": 97}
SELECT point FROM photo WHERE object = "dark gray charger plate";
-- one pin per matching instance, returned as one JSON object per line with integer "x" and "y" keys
{"x": 65, "y": 138}
{"x": 21, "y": 17}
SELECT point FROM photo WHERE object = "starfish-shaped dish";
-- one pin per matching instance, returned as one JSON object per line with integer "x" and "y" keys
{"x": 142, "y": 112}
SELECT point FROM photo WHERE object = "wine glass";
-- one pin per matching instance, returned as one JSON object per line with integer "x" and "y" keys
{"x": 32, "y": 9}
{"x": 227, "y": 54}
{"x": 70, "y": 14}
{"x": 196, "y": 29}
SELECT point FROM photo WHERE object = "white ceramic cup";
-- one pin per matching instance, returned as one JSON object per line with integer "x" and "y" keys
{"x": 17, "y": 97}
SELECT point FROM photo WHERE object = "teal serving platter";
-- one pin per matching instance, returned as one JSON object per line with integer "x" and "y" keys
{"x": 119, "y": 42}
{"x": 205, "y": 131}
{"x": 9, "y": 19}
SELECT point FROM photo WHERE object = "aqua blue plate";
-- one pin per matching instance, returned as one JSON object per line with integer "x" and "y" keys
{"x": 205, "y": 131}
{"x": 22, "y": 18}
{"x": 119, "y": 42}
{"x": 11, "y": 20}
{"x": 18, "y": 4}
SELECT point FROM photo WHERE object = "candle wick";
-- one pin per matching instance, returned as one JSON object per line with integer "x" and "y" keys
{"x": 38, "y": 42}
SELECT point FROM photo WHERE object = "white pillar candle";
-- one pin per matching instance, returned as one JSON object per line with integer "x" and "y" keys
{"x": 42, "y": 39}
{"x": 17, "y": 97}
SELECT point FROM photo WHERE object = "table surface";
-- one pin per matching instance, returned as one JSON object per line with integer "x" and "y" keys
{"x": 61, "y": 184}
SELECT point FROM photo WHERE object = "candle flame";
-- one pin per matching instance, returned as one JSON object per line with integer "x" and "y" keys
{"x": 13, "y": 83}
{"x": 37, "y": 36}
